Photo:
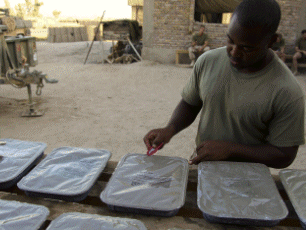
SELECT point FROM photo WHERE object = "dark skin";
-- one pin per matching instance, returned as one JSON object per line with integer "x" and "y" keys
{"x": 249, "y": 51}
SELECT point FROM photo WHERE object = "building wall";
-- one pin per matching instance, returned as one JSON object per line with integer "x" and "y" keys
{"x": 137, "y": 14}
{"x": 291, "y": 21}
{"x": 169, "y": 24}
{"x": 302, "y": 22}
{"x": 137, "y": 10}
{"x": 135, "y": 2}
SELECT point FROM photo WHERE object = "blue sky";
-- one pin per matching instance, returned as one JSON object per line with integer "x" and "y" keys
{"x": 83, "y": 9}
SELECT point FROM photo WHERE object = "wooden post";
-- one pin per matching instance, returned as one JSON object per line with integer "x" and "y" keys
{"x": 94, "y": 37}
{"x": 134, "y": 48}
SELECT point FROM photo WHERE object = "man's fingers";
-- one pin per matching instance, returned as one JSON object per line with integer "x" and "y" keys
{"x": 147, "y": 143}
{"x": 200, "y": 146}
{"x": 149, "y": 138}
{"x": 153, "y": 139}
{"x": 196, "y": 160}
{"x": 157, "y": 141}
{"x": 156, "y": 137}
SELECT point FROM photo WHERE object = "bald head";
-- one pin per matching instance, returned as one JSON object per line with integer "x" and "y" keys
{"x": 265, "y": 14}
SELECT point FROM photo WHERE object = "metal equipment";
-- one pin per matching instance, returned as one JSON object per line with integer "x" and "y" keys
{"x": 15, "y": 25}
{"x": 17, "y": 55}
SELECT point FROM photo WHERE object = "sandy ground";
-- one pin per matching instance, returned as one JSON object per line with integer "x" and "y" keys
{"x": 101, "y": 105}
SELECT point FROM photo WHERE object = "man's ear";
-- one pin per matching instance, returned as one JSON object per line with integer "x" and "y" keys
{"x": 273, "y": 40}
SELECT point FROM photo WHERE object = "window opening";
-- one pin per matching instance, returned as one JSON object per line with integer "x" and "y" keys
{"x": 214, "y": 11}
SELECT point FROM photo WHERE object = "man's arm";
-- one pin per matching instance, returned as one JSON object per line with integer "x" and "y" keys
{"x": 183, "y": 116}
{"x": 272, "y": 156}
{"x": 203, "y": 47}
{"x": 282, "y": 49}
{"x": 193, "y": 40}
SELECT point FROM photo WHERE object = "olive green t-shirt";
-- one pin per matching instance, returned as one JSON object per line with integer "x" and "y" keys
{"x": 253, "y": 109}
{"x": 200, "y": 39}
{"x": 301, "y": 43}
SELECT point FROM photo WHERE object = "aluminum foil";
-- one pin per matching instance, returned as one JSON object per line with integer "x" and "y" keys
{"x": 16, "y": 156}
{"x": 239, "y": 192}
{"x": 66, "y": 171}
{"x": 148, "y": 182}
{"x": 21, "y": 216}
{"x": 81, "y": 221}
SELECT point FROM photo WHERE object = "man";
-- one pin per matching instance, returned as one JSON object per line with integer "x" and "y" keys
{"x": 300, "y": 49}
{"x": 252, "y": 107}
{"x": 279, "y": 47}
{"x": 199, "y": 44}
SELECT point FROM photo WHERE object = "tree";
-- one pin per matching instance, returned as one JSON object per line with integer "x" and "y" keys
{"x": 20, "y": 10}
{"x": 56, "y": 13}
{"x": 29, "y": 8}
{"x": 8, "y": 6}
{"x": 37, "y": 5}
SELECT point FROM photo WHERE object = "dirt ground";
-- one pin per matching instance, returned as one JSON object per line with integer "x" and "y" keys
{"x": 101, "y": 105}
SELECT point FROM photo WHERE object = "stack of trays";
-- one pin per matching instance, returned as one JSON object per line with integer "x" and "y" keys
{"x": 81, "y": 221}
{"x": 294, "y": 182}
{"x": 151, "y": 185}
{"x": 67, "y": 173}
{"x": 239, "y": 193}
{"x": 16, "y": 159}
{"x": 21, "y": 216}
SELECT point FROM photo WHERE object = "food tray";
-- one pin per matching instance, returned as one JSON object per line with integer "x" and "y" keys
{"x": 15, "y": 215}
{"x": 294, "y": 182}
{"x": 81, "y": 221}
{"x": 17, "y": 158}
{"x": 67, "y": 173}
{"x": 239, "y": 193}
{"x": 150, "y": 185}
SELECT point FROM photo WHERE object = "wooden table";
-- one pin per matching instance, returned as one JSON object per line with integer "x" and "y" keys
{"x": 189, "y": 216}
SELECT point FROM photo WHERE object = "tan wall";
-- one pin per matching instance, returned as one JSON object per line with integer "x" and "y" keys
{"x": 168, "y": 26}
{"x": 137, "y": 14}
{"x": 289, "y": 25}
{"x": 135, "y": 2}
{"x": 302, "y": 22}
{"x": 71, "y": 34}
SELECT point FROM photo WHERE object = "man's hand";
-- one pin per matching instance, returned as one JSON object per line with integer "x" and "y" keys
{"x": 212, "y": 151}
{"x": 304, "y": 52}
{"x": 183, "y": 116}
{"x": 270, "y": 155}
{"x": 157, "y": 136}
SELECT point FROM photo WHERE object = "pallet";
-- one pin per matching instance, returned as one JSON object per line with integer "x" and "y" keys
{"x": 188, "y": 217}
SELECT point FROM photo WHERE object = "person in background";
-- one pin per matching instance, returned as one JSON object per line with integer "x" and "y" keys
{"x": 300, "y": 49}
{"x": 279, "y": 47}
{"x": 199, "y": 44}
{"x": 252, "y": 107}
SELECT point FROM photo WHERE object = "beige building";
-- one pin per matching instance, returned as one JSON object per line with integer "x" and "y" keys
{"x": 169, "y": 24}
{"x": 137, "y": 10}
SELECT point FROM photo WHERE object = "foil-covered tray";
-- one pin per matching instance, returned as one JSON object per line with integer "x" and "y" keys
{"x": 239, "y": 193}
{"x": 15, "y": 215}
{"x": 67, "y": 173}
{"x": 152, "y": 185}
{"x": 81, "y": 221}
{"x": 17, "y": 157}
